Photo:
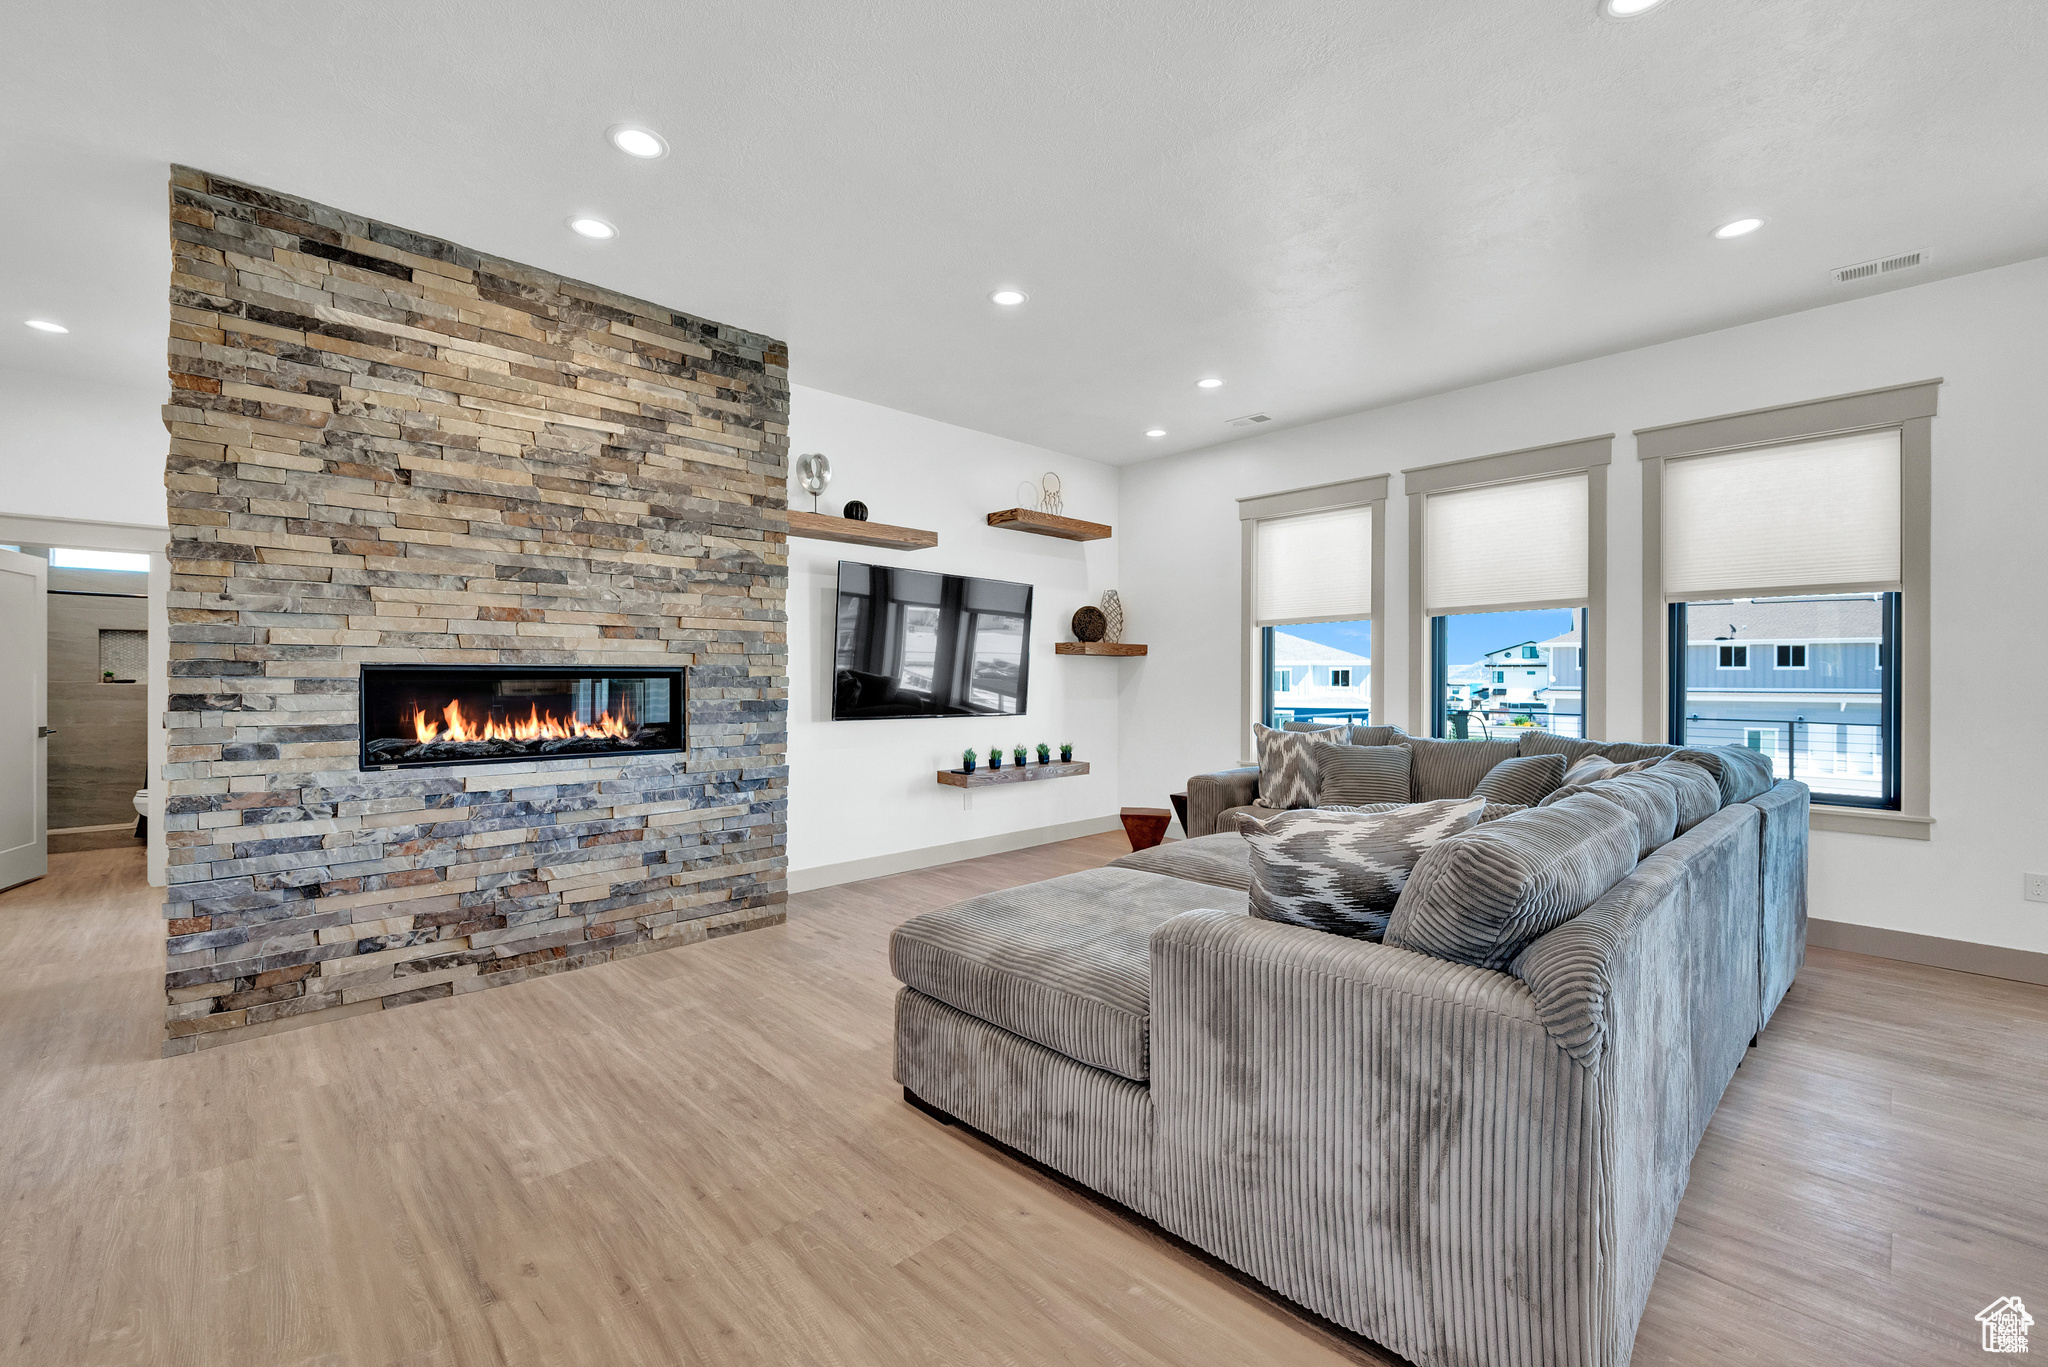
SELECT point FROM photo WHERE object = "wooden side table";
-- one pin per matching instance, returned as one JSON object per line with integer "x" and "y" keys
{"x": 1146, "y": 826}
{"x": 1180, "y": 809}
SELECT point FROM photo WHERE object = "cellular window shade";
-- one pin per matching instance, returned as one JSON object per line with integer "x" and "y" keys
{"x": 1800, "y": 518}
{"x": 1313, "y": 567}
{"x": 1506, "y": 546}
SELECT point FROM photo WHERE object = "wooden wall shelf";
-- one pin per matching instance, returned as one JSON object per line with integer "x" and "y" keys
{"x": 1049, "y": 524}
{"x": 1010, "y": 773}
{"x": 822, "y": 527}
{"x": 1097, "y": 648}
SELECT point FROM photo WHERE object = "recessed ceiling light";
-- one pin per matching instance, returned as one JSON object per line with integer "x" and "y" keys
{"x": 635, "y": 141}
{"x": 45, "y": 325}
{"x": 1627, "y": 9}
{"x": 1741, "y": 227}
{"x": 1211, "y": 383}
{"x": 1156, "y": 432}
{"x": 1009, "y": 299}
{"x": 594, "y": 228}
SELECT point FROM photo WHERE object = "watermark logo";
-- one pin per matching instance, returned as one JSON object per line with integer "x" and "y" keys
{"x": 2005, "y": 1322}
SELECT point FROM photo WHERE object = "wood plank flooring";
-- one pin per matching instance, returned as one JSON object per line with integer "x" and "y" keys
{"x": 699, "y": 1157}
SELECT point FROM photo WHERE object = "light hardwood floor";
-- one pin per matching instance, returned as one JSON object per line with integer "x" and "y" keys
{"x": 699, "y": 1157}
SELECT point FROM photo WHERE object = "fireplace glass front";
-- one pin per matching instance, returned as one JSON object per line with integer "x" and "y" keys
{"x": 434, "y": 715}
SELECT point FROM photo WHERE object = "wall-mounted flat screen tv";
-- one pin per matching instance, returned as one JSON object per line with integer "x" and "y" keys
{"x": 908, "y": 643}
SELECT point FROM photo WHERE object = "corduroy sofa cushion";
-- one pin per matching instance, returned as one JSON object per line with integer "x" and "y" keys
{"x": 1352, "y": 775}
{"x": 1743, "y": 773}
{"x": 1482, "y": 897}
{"x": 1065, "y": 963}
{"x": 1452, "y": 768}
{"x": 1698, "y": 794}
{"x": 1522, "y": 779}
{"x": 1653, "y": 804}
{"x": 1222, "y": 860}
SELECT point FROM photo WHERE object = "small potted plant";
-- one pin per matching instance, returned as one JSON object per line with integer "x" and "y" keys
{"x": 1067, "y": 752}
{"x": 1018, "y": 754}
{"x": 967, "y": 758}
{"x": 995, "y": 758}
{"x": 106, "y": 676}
{"x": 1044, "y": 753}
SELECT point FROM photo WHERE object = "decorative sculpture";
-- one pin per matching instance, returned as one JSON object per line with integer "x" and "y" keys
{"x": 813, "y": 472}
{"x": 1113, "y": 615}
{"x": 1049, "y": 500}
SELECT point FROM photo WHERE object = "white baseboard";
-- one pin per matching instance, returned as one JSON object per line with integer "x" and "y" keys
{"x": 882, "y": 865}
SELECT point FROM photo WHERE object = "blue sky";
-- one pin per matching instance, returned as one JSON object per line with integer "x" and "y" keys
{"x": 1471, "y": 636}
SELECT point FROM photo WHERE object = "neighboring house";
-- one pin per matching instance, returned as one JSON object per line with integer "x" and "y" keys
{"x": 1536, "y": 682}
{"x": 1309, "y": 676}
{"x": 1776, "y": 660}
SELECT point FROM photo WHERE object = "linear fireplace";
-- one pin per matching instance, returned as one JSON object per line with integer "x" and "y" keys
{"x": 417, "y": 716}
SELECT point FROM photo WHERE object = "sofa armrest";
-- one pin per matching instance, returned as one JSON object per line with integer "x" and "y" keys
{"x": 1211, "y": 794}
{"x": 1374, "y": 1133}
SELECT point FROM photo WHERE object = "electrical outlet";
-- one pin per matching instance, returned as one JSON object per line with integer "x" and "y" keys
{"x": 2034, "y": 887}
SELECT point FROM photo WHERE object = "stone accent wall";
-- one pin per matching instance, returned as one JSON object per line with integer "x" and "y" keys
{"x": 386, "y": 447}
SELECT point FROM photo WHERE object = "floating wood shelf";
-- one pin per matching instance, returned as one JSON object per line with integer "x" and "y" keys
{"x": 1096, "y": 648}
{"x": 1010, "y": 773}
{"x": 821, "y": 527}
{"x": 1049, "y": 524}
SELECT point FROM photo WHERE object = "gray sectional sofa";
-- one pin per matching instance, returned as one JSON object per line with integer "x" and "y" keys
{"x": 1465, "y": 1165}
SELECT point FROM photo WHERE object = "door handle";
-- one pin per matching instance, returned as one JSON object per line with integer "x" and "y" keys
{"x": 42, "y": 731}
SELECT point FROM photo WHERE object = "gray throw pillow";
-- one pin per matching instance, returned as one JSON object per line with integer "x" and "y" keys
{"x": 1452, "y": 768}
{"x": 1653, "y": 804}
{"x": 1593, "y": 768}
{"x": 1377, "y": 735}
{"x": 1355, "y": 774}
{"x": 1342, "y": 872}
{"x": 1484, "y": 896}
{"x": 1743, "y": 773}
{"x": 1697, "y": 792}
{"x": 1524, "y": 779}
{"x": 1287, "y": 766}
{"x": 1496, "y": 810}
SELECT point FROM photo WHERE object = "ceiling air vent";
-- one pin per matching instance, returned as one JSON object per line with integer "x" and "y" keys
{"x": 1251, "y": 420}
{"x": 1884, "y": 265}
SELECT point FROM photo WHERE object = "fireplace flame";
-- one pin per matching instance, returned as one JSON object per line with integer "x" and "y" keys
{"x": 536, "y": 725}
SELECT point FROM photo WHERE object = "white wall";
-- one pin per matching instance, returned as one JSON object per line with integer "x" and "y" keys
{"x": 82, "y": 451}
{"x": 1985, "y": 334}
{"x": 863, "y": 798}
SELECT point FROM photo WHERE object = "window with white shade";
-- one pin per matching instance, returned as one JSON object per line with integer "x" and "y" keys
{"x": 1804, "y": 517}
{"x": 1507, "y": 580}
{"x": 1314, "y": 567}
{"x": 1798, "y": 539}
{"x": 1312, "y": 572}
{"x": 1505, "y": 546}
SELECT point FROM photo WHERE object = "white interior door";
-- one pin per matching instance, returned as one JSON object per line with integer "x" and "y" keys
{"x": 24, "y": 713}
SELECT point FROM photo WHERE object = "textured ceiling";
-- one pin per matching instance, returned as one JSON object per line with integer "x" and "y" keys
{"x": 1330, "y": 205}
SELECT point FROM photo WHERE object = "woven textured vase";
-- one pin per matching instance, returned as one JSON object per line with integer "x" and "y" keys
{"x": 1113, "y": 613}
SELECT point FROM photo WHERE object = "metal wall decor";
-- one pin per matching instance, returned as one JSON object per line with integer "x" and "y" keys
{"x": 813, "y": 472}
{"x": 1113, "y": 617}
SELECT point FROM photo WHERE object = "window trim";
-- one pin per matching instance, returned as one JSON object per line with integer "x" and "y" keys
{"x": 1255, "y": 693}
{"x": 1727, "y": 652}
{"x": 1910, "y": 410}
{"x": 1590, "y": 455}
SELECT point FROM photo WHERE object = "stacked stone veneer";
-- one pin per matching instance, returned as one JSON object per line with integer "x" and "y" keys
{"x": 389, "y": 448}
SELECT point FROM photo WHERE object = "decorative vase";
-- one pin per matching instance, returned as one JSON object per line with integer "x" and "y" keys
{"x": 1113, "y": 616}
{"x": 1089, "y": 624}
{"x": 995, "y": 761}
{"x": 966, "y": 766}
